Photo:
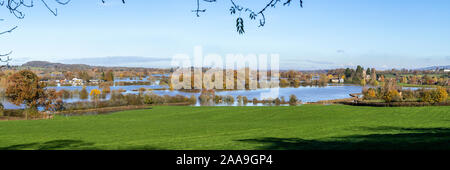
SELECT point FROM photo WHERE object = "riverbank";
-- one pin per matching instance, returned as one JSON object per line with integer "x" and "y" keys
{"x": 18, "y": 115}
{"x": 304, "y": 94}
{"x": 394, "y": 104}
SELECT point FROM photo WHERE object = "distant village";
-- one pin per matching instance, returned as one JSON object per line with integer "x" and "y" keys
{"x": 57, "y": 74}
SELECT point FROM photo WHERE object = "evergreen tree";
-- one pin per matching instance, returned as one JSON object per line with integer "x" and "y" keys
{"x": 103, "y": 77}
{"x": 348, "y": 73}
{"x": 358, "y": 75}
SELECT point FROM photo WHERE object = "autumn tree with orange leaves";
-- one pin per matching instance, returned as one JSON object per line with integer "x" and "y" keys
{"x": 24, "y": 88}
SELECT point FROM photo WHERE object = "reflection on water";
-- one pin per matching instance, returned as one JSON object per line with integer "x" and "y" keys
{"x": 127, "y": 88}
{"x": 305, "y": 94}
{"x": 9, "y": 105}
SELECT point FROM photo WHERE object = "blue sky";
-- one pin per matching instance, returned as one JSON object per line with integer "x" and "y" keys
{"x": 324, "y": 34}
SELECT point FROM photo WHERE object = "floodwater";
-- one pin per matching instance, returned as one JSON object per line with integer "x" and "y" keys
{"x": 304, "y": 94}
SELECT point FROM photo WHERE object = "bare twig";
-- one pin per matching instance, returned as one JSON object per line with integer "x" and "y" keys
{"x": 235, "y": 8}
{"x": 198, "y": 7}
{"x": 123, "y": 1}
{"x": 8, "y": 31}
{"x": 3, "y": 55}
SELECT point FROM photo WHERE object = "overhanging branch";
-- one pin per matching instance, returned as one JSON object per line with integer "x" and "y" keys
{"x": 252, "y": 14}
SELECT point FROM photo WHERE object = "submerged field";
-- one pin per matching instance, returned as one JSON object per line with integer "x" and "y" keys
{"x": 307, "y": 127}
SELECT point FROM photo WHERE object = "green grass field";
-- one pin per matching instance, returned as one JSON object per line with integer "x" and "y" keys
{"x": 308, "y": 127}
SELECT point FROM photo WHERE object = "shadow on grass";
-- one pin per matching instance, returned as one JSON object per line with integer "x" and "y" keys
{"x": 383, "y": 138}
{"x": 69, "y": 145}
{"x": 405, "y": 139}
{"x": 51, "y": 145}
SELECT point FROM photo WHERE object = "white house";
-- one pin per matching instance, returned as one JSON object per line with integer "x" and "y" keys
{"x": 77, "y": 82}
{"x": 336, "y": 80}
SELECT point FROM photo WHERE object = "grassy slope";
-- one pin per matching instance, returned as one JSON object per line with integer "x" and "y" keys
{"x": 302, "y": 127}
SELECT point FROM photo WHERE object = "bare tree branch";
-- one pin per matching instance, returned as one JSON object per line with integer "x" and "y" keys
{"x": 235, "y": 8}
{"x": 123, "y": 1}
{"x": 198, "y": 7}
{"x": 8, "y": 31}
{"x": 7, "y": 60}
{"x": 15, "y": 7}
{"x": 3, "y": 55}
{"x": 7, "y": 54}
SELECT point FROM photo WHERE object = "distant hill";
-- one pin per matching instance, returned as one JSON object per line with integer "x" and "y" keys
{"x": 60, "y": 66}
{"x": 435, "y": 67}
{"x": 46, "y": 64}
